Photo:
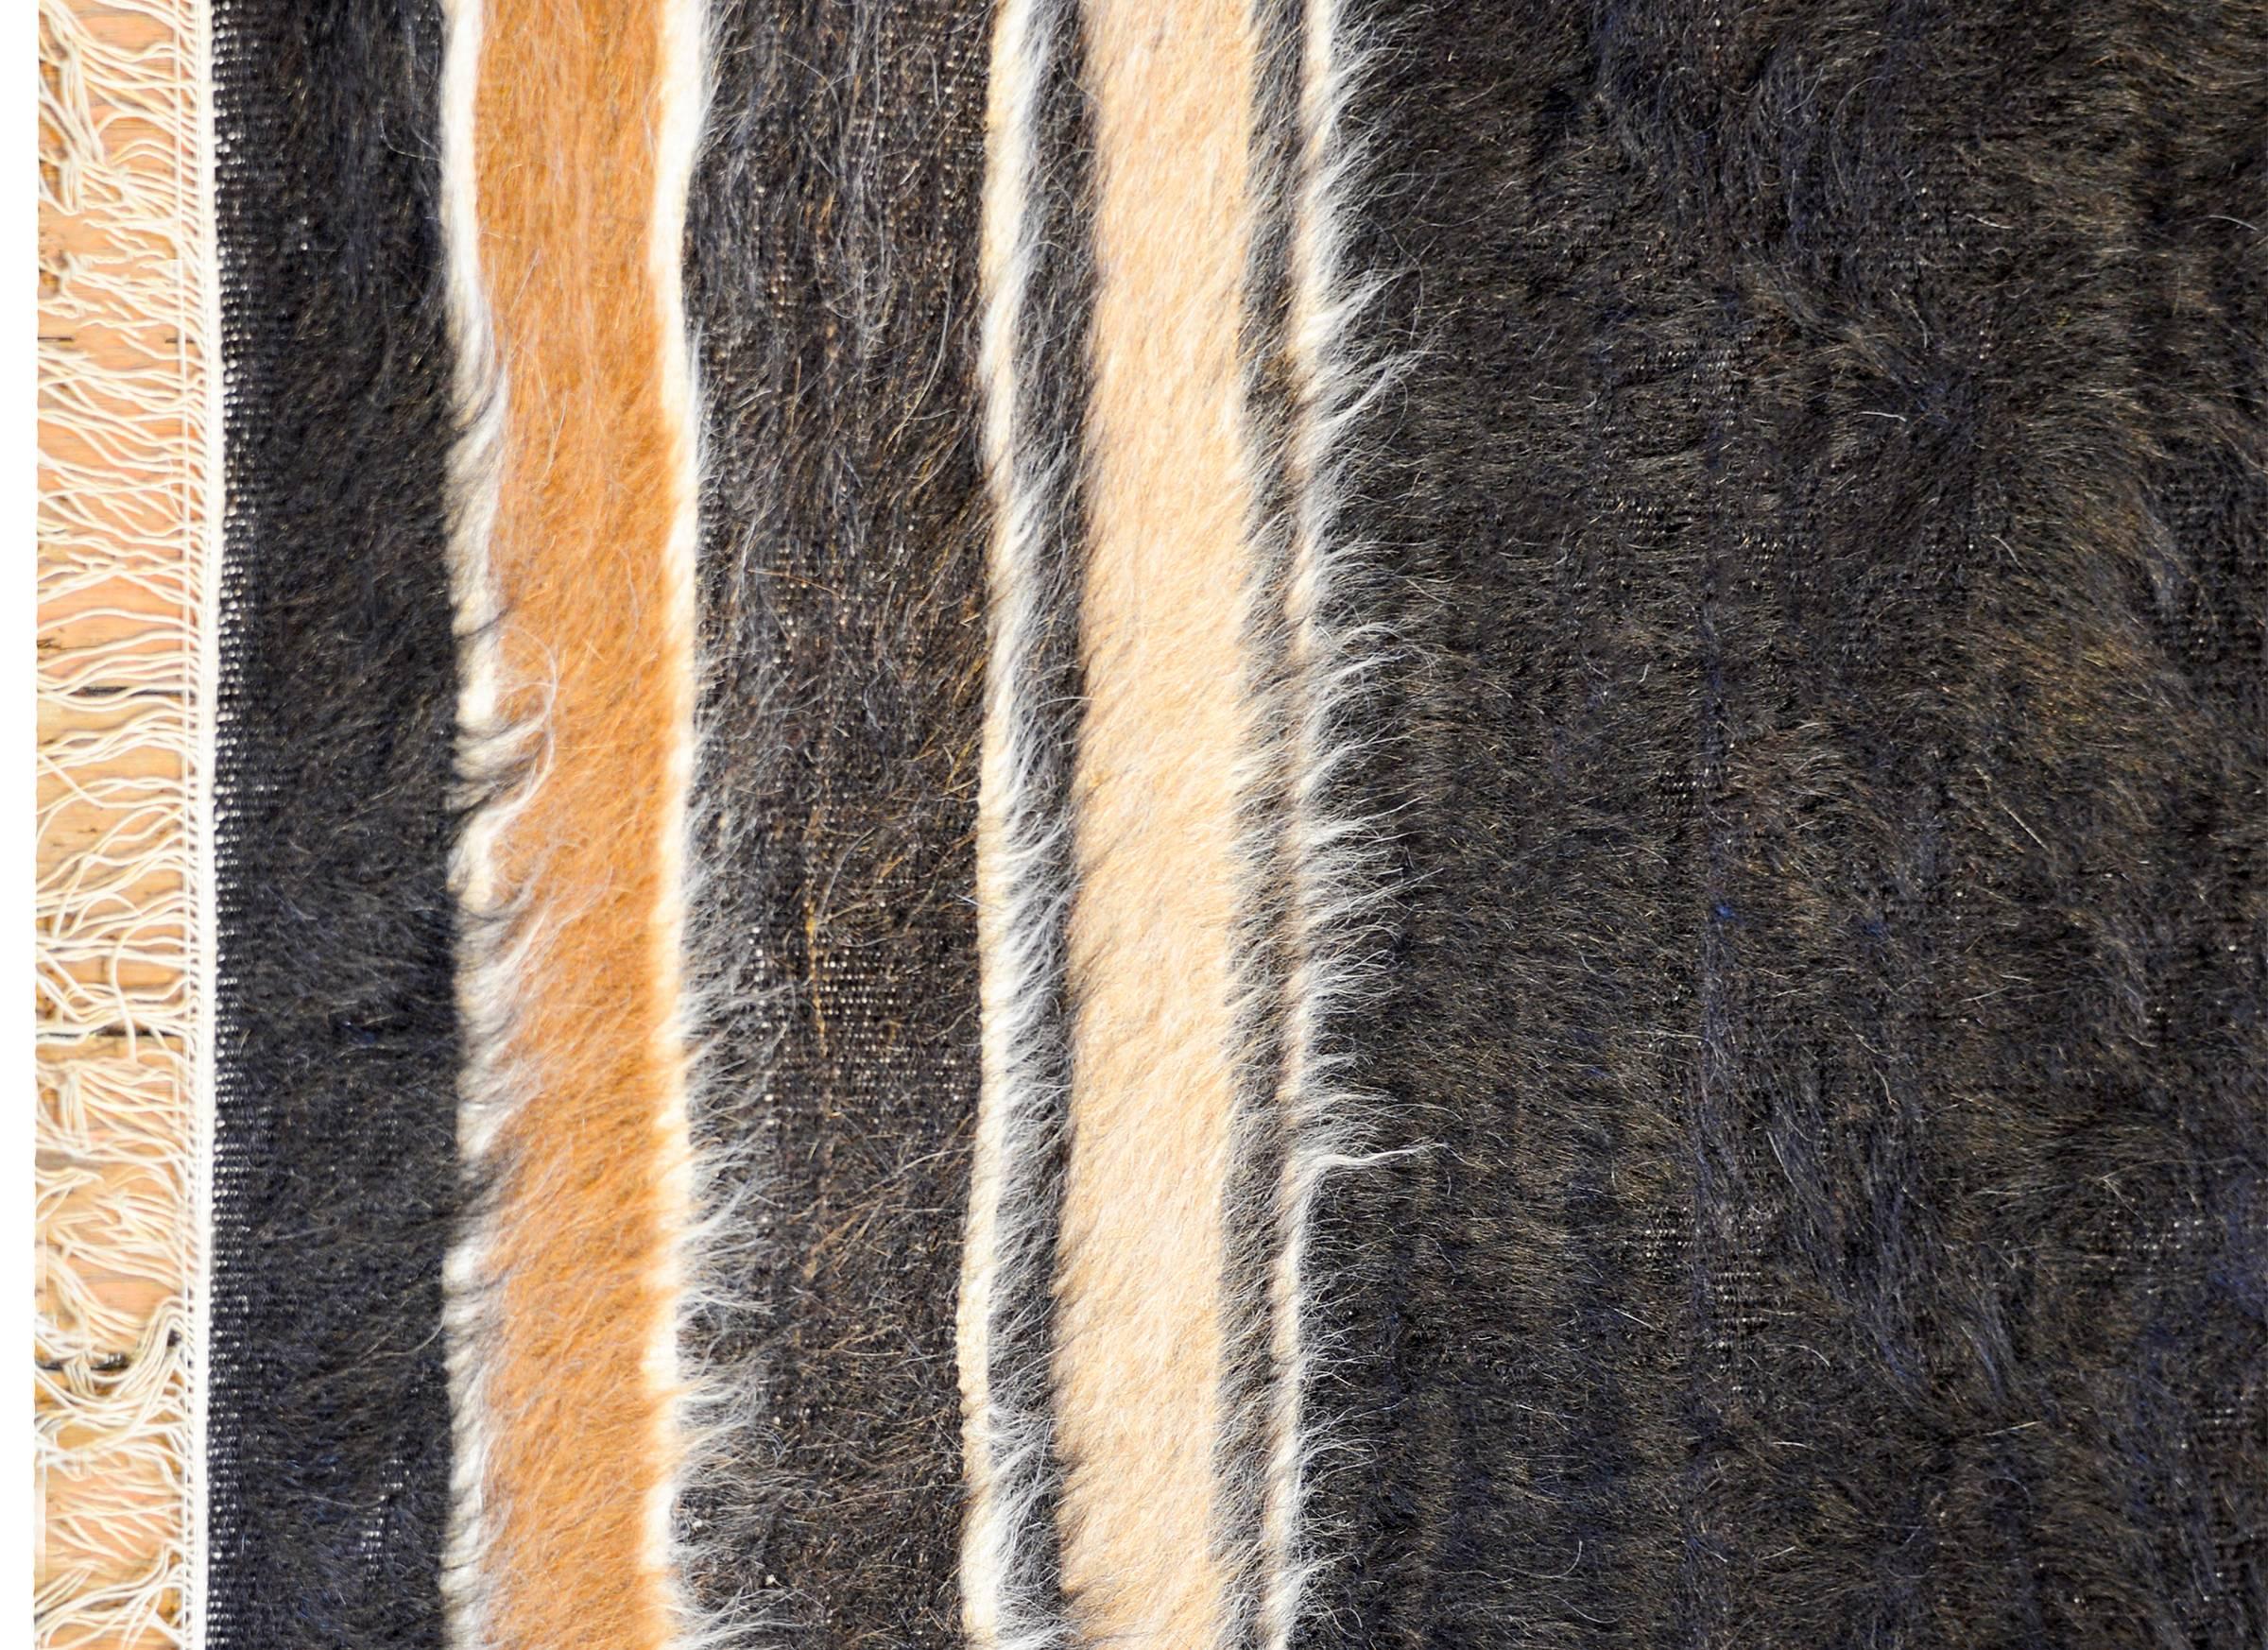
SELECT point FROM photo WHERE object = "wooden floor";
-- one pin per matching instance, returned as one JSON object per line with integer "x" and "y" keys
{"x": 119, "y": 442}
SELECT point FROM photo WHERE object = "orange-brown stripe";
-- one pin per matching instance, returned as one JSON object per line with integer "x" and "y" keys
{"x": 585, "y": 555}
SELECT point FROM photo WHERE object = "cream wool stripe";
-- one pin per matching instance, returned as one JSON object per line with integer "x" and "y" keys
{"x": 1142, "y": 1356}
{"x": 1214, "y": 907}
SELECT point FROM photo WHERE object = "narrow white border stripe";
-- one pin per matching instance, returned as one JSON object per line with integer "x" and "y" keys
{"x": 1003, "y": 1451}
{"x": 684, "y": 93}
{"x": 480, "y": 395}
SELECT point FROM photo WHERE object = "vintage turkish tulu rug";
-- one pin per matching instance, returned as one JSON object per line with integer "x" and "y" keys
{"x": 1153, "y": 825}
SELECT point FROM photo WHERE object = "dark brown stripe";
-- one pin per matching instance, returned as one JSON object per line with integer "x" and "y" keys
{"x": 334, "y": 1034}
{"x": 831, "y": 264}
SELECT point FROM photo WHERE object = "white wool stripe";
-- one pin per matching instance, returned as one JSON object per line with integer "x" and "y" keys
{"x": 484, "y": 967}
{"x": 1005, "y": 1449}
{"x": 685, "y": 95}
{"x": 205, "y": 1092}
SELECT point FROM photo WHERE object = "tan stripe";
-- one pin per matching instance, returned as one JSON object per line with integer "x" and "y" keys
{"x": 588, "y": 555}
{"x": 1139, "y": 1365}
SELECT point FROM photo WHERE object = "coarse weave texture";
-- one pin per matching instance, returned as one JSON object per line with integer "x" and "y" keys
{"x": 831, "y": 279}
{"x": 333, "y": 1164}
{"x": 1826, "y": 761}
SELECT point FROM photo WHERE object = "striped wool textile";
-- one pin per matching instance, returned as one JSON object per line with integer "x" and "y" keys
{"x": 1156, "y": 824}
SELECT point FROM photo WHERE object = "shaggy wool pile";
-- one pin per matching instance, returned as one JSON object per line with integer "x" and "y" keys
{"x": 1170, "y": 824}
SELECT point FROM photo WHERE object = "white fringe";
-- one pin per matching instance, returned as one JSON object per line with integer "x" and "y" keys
{"x": 127, "y": 516}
